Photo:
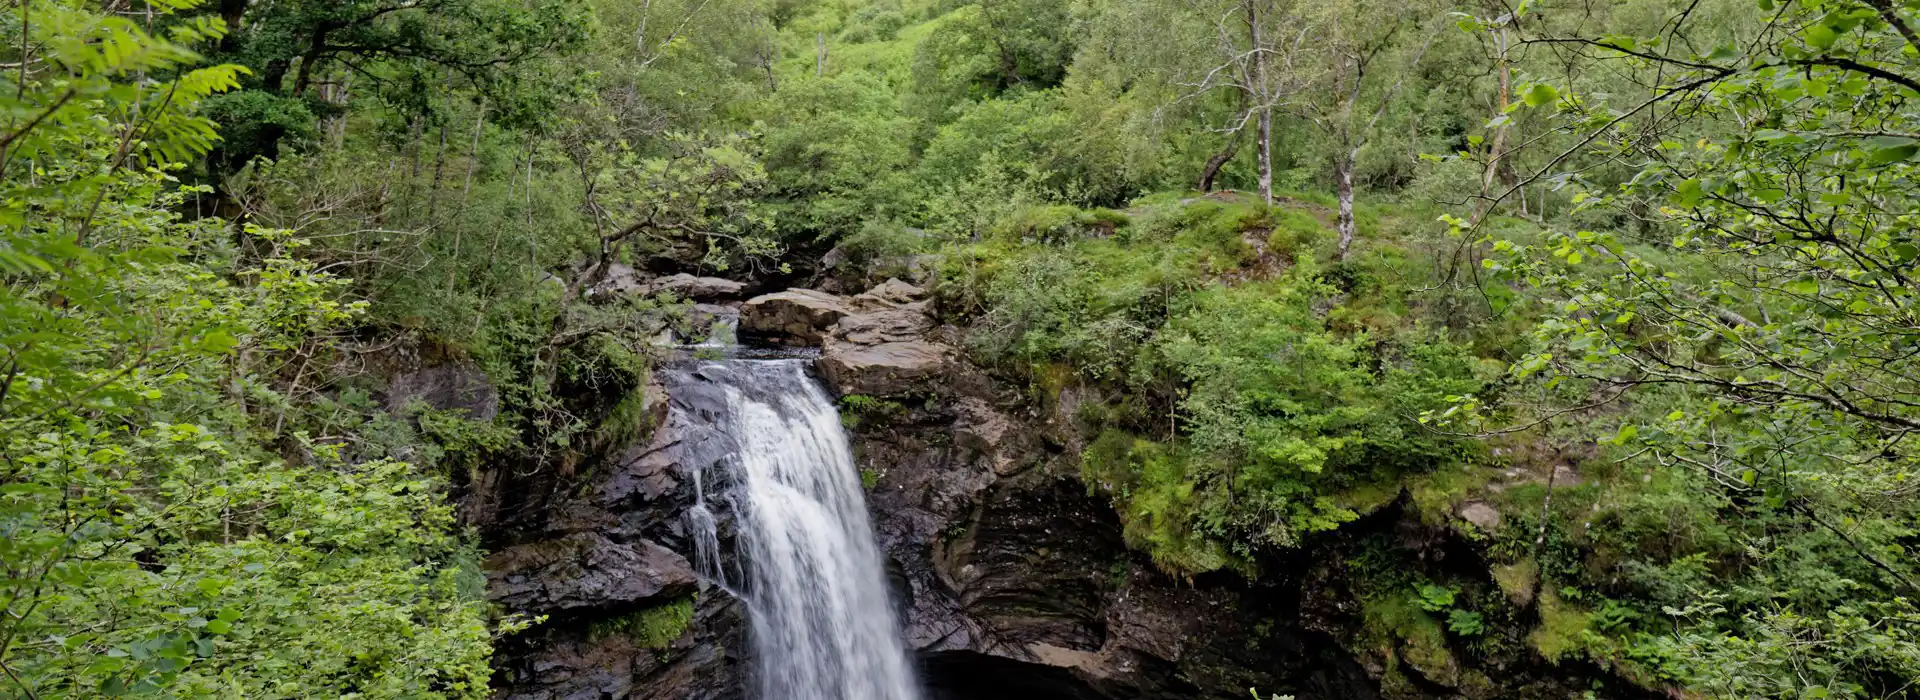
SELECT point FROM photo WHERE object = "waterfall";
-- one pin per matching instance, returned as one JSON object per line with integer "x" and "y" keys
{"x": 823, "y": 625}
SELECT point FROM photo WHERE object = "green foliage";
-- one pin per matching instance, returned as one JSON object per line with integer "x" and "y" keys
{"x": 860, "y": 409}
{"x": 655, "y": 627}
{"x": 395, "y": 51}
{"x": 1057, "y": 224}
{"x": 700, "y": 198}
{"x": 1466, "y": 623}
{"x": 1436, "y": 598}
{"x": 170, "y": 528}
{"x": 837, "y": 148}
{"x": 1756, "y": 325}
{"x": 1275, "y": 412}
{"x": 1294, "y": 231}
{"x": 1699, "y": 259}
{"x": 466, "y": 441}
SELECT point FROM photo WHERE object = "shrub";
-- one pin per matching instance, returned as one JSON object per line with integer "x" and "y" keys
{"x": 1055, "y": 224}
{"x": 1293, "y": 231}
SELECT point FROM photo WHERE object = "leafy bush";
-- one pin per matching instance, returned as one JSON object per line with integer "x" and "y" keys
{"x": 1294, "y": 231}
{"x": 1057, "y": 224}
{"x": 1434, "y": 598}
{"x": 1466, "y": 623}
{"x": 858, "y": 409}
{"x": 1275, "y": 412}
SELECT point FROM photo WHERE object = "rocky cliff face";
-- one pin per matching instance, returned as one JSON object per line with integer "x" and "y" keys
{"x": 1014, "y": 580}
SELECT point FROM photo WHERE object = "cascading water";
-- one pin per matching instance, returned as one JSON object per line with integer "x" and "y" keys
{"x": 823, "y": 625}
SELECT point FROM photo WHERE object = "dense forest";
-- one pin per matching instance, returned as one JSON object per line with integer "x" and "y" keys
{"x": 1317, "y": 253}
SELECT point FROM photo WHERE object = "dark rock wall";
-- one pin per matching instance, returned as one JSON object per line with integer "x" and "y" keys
{"x": 602, "y": 562}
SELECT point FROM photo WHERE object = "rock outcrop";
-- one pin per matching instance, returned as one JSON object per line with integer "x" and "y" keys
{"x": 793, "y": 317}
{"x": 622, "y": 280}
{"x": 885, "y": 369}
{"x": 685, "y": 286}
{"x": 874, "y": 343}
{"x": 459, "y": 387}
{"x": 614, "y": 551}
{"x": 585, "y": 570}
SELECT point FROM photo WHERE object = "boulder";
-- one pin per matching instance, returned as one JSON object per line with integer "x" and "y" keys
{"x": 616, "y": 279}
{"x": 983, "y": 429}
{"x": 890, "y": 293}
{"x": 881, "y": 346}
{"x": 584, "y": 570}
{"x": 883, "y": 326}
{"x": 1483, "y": 516}
{"x": 795, "y": 316}
{"x": 884, "y": 369}
{"x": 460, "y": 387}
{"x": 687, "y": 286}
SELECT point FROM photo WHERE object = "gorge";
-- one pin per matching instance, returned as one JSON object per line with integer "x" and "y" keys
{"x": 960, "y": 349}
{"x": 743, "y": 504}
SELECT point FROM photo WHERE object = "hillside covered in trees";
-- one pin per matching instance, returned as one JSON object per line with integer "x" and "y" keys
{"x": 1624, "y": 297}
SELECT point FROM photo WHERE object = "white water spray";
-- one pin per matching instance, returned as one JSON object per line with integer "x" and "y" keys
{"x": 822, "y": 621}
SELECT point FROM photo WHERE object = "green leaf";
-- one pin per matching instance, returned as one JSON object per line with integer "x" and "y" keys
{"x": 1541, "y": 94}
{"x": 1820, "y": 36}
{"x": 1890, "y": 149}
{"x": 1688, "y": 193}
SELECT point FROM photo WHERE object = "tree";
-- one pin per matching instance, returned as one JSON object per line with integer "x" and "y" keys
{"x": 402, "y": 50}
{"x": 694, "y": 206}
{"x": 151, "y": 541}
{"x": 1246, "y": 41}
{"x": 1347, "y": 68}
{"x": 1772, "y": 304}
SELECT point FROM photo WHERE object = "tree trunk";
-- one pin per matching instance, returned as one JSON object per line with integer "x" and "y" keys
{"x": 533, "y": 237}
{"x": 466, "y": 191}
{"x": 274, "y": 78}
{"x": 232, "y": 12}
{"x": 1219, "y": 160}
{"x": 439, "y": 172}
{"x": 1497, "y": 167}
{"x": 1264, "y": 102}
{"x": 1266, "y": 155}
{"x": 308, "y": 59}
{"x": 1345, "y": 175}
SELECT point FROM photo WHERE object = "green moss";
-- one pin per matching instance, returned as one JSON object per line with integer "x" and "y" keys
{"x": 1395, "y": 622}
{"x": 1368, "y": 497}
{"x": 1058, "y": 223}
{"x": 1517, "y": 579}
{"x": 1436, "y": 493}
{"x": 651, "y": 628}
{"x": 1562, "y": 630}
{"x": 626, "y": 421}
{"x": 869, "y": 478}
{"x": 1293, "y": 231}
{"x": 1155, "y": 498}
